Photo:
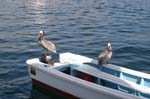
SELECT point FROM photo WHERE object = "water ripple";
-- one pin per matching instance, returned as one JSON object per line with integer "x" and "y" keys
{"x": 78, "y": 26}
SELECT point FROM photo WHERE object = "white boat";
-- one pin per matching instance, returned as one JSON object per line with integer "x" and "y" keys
{"x": 78, "y": 77}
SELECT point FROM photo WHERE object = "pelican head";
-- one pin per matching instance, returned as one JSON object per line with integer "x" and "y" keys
{"x": 41, "y": 35}
{"x": 41, "y": 32}
{"x": 108, "y": 46}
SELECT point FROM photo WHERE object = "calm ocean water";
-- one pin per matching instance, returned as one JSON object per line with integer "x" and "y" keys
{"x": 78, "y": 26}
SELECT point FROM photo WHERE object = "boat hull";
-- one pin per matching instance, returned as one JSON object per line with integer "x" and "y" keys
{"x": 51, "y": 89}
{"x": 71, "y": 87}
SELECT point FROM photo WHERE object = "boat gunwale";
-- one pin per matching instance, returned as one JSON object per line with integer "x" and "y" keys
{"x": 36, "y": 61}
{"x": 128, "y": 71}
{"x": 102, "y": 75}
{"x": 83, "y": 83}
{"x": 116, "y": 80}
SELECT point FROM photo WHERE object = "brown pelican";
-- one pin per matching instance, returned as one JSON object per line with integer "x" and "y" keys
{"x": 48, "y": 45}
{"x": 105, "y": 55}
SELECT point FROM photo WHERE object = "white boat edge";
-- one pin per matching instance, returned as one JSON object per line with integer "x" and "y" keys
{"x": 74, "y": 86}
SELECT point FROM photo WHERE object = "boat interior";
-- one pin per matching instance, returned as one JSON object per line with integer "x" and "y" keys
{"x": 108, "y": 77}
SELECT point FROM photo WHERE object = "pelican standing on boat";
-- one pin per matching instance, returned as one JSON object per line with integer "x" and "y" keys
{"x": 105, "y": 55}
{"x": 48, "y": 45}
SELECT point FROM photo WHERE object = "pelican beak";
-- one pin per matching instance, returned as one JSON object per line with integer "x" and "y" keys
{"x": 40, "y": 36}
{"x": 106, "y": 46}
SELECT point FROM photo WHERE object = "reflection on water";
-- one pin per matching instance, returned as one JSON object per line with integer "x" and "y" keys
{"x": 38, "y": 11}
{"x": 39, "y": 3}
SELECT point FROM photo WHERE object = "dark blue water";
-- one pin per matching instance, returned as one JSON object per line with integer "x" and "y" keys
{"x": 78, "y": 26}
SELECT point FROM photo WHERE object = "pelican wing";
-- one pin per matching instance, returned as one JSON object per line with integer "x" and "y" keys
{"x": 48, "y": 45}
{"x": 103, "y": 54}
